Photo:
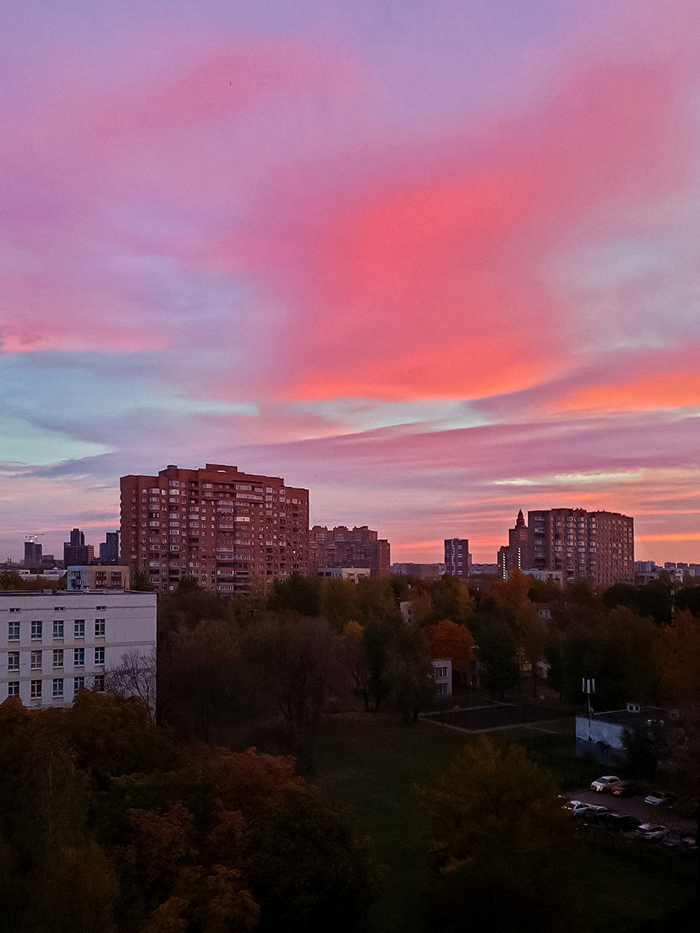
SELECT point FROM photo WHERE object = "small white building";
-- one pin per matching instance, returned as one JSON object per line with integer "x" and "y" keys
{"x": 602, "y": 734}
{"x": 54, "y": 643}
{"x": 345, "y": 573}
{"x": 442, "y": 675}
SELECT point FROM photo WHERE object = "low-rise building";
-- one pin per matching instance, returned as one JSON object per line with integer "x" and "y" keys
{"x": 345, "y": 573}
{"x": 602, "y": 734}
{"x": 442, "y": 675}
{"x": 53, "y": 644}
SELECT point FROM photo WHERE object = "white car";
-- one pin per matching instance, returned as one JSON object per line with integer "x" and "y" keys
{"x": 604, "y": 783}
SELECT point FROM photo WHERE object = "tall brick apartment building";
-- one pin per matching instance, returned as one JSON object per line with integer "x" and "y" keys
{"x": 593, "y": 546}
{"x": 349, "y": 547}
{"x": 215, "y": 524}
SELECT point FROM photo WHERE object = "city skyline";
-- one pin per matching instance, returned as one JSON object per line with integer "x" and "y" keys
{"x": 434, "y": 262}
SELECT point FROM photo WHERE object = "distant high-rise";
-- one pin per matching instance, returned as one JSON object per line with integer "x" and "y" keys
{"x": 109, "y": 549}
{"x": 457, "y": 557}
{"x": 217, "y": 525}
{"x": 350, "y": 547}
{"x": 516, "y": 554}
{"x": 593, "y": 546}
{"x": 75, "y": 552}
{"x": 32, "y": 554}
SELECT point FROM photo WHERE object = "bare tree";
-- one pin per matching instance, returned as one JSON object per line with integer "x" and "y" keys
{"x": 135, "y": 676}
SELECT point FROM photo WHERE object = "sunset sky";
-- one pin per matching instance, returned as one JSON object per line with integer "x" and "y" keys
{"x": 435, "y": 260}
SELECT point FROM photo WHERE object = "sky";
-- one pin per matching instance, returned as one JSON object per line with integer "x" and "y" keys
{"x": 435, "y": 260}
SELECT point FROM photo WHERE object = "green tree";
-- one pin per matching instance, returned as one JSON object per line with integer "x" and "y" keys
{"x": 308, "y": 870}
{"x": 497, "y": 655}
{"x": 296, "y": 594}
{"x": 502, "y": 848}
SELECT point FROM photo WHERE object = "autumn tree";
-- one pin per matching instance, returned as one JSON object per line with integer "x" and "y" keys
{"x": 502, "y": 848}
{"x": 449, "y": 640}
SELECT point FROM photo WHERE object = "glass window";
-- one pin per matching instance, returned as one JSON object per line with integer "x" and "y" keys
{"x": 99, "y": 627}
{"x": 13, "y": 660}
{"x": 99, "y": 655}
{"x": 58, "y": 687}
{"x": 100, "y": 682}
{"x": 58, "y": 657}
{"x": 35, "y": 660}
{"x": 36, "y": 630}
{"x": 79, "y": 628}
{"x": 35, "y": 690}
{"x": 78, "y": 657}
{"x": 13, "y": 631}
{"x": 13, "y": 688}
{"x": 58, "y": 628}
{"x": 78, "y": 684}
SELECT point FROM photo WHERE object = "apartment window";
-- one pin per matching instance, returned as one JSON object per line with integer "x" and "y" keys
{"x": 14, "y": 609}
{"x": 99, "y": 655}
{"x": 13, "y": 660}
{"x": 13, "y": 631}
{"x": 101, "y": 608}
{"x": 35, "y": 660}
{"x": 36, "y": 630}
{"x": 79, "y": 628}
{"x": 78, "y": 657}
{"x": 35, "y": 689}
{"x": 57, "y": 687}
{"x": 13, "y": 688}
{"x": 99, "y": 628}
{"x": 78, "y": 684}
{"x": 58, "y": 628}
{"x": 100, "y": 682}
{"x": 58, "y": 657}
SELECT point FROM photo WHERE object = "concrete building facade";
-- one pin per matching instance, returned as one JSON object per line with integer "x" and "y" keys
{"x": 349, "y": 547}
{"x": 54, "y": 644}
{"x": 218, "y": 525}
{"x": 593, "y": 546}
{"x": 457, "y": 557}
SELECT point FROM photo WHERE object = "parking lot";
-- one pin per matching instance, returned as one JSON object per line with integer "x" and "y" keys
{"x": 635, "y": 806}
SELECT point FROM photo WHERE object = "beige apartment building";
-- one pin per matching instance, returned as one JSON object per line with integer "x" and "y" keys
{"x": 217, "y": 525}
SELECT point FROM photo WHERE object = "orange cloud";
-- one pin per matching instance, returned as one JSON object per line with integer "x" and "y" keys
{"x": 644, "y": 393}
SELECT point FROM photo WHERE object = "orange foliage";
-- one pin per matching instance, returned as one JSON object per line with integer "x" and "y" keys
{"x": 449, "y": 640}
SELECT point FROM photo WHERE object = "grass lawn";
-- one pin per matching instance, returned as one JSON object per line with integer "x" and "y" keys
{"x": 372, "y": 764}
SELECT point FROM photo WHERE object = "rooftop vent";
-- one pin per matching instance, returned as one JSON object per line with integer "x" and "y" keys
{"x": 633, "y": 707}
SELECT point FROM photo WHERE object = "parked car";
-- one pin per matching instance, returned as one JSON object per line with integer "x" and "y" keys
{"x": 659, "y": 798}
{"x": 651, "y": 831}
{"x": 592, "y": 813}
{"x": 574, "y": 805}
{"x": 604, "y": 783}
{"x": 620, "y": 822}
{"x": 625, "y": 789}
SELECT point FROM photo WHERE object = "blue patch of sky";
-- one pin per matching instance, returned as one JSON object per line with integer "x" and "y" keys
{"x": 365, "y": 414}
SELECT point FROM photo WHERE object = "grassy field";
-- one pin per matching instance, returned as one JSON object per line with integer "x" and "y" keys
{"x": 372, "y": 765}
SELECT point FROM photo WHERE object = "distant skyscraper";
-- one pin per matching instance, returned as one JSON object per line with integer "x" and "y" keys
{"x": 75, "y": 552}
{"x": 516, "y": 554}
{"x": 32, "y": 554}
{"x": 217, "y": 525}
{"x": 457, "y": 557}
{"x": 109, "y": 549}
{"x": 350, "y": 547}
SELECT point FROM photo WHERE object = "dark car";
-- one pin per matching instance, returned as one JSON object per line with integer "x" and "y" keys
{"x": 625, "y": 789}
{"x": 680, "y": 841}
{"x": 620, "y": 822}
{"x": 593, "y": 813}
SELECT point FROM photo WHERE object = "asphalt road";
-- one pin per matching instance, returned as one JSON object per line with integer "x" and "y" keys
{"x": 635, "y": 806}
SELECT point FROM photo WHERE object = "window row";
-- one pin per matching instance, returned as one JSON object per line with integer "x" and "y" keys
{"x": 59, "y": 628}
{"x": 59, "y": 657}
{"x": 36, "y": 687}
